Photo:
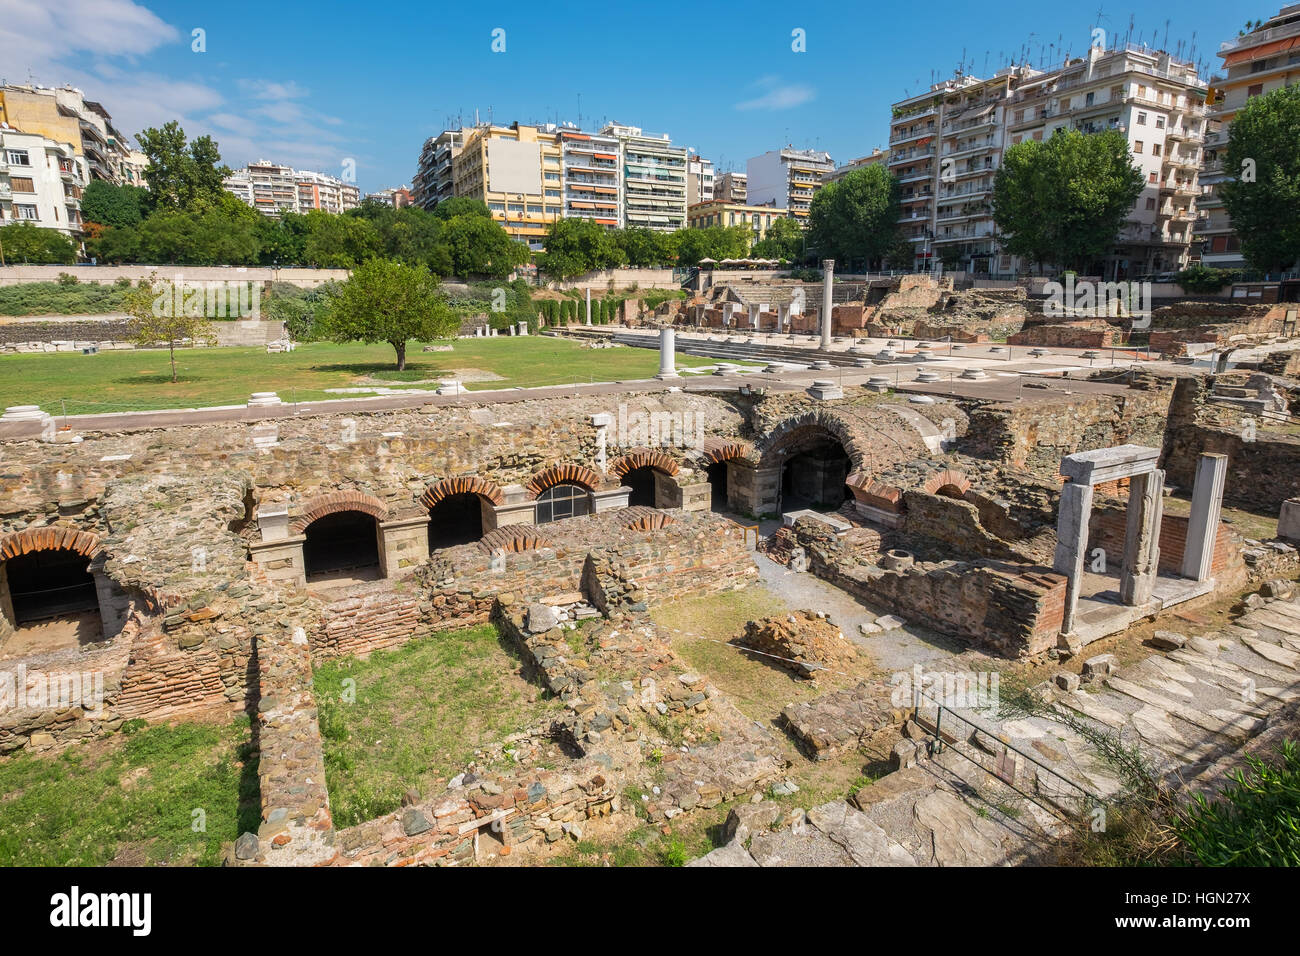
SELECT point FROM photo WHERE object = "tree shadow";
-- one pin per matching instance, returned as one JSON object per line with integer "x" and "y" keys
{"x": 157, "y": 378}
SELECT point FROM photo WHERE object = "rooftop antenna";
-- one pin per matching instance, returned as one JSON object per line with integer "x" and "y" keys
{"x": 579, "y": 111}
{"x": 1165, "y": 45}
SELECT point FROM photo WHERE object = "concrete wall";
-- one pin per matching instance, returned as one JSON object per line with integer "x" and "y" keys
{"x": 105, "y": 275}
{"x": 618, "y": 279}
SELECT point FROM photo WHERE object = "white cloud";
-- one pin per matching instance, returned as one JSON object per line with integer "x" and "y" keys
{"x": 777, "y": 95}
{"x": 35, "y": 36}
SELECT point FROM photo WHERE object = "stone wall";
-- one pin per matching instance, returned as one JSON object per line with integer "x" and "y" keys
{"x": 1107, "y": 527}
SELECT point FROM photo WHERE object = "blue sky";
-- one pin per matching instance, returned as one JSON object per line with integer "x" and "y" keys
{"x": 316, "y": 83}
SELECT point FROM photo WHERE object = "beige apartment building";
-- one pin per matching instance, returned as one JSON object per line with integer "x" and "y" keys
{"x": 720, "y": 212}
{"x": 1258, "y": 62}
{"x": 64, "y": 115}
{"x": 699, "y": 180}
{"x": 518, "y": 171}
{"x": 946, "y": 146}
{"x": 877, "y": 157}
{"x": 788, "y": 178}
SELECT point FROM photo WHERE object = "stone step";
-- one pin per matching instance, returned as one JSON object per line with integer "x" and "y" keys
{"x": 1237, "y": 731}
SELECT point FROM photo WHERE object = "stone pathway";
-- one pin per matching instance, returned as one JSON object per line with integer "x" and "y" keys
{"x": 1194, "y": 702}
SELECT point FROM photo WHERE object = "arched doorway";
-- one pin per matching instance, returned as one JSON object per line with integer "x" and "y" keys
{"x": 344, "y": 544}
{"x": 50, "y": 584}
{"x": 814, "y": 476}
{"x": 455, "y": 519}
{"x": 565, "y": 500}
{"x": 643, "y": 484}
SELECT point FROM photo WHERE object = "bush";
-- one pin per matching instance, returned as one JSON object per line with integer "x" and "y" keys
{"x": 1256, "y": 822}
{"x": 1204, "y": 279}
{"x": 67, "y": 278}
{"x": 60, "y": 298}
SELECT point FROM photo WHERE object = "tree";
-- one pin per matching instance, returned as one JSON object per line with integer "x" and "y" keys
{"x": 784, "y": 239}
{"x": 387, "y": 301}
{"x": 25, "y": 242}
{"x": 1064, "y": 200}
{"x": 160, "y": 312}
{"x": 479, "y": 246}
{"x": 855, "y": 217}
{"x": 339, "y": 242}
{"x": 181, "y": 174}
{"x": 462, "y": 206}
{"x": 643, "y": 247}
{"x": 1264, "y": 200}
{"x": 110, "y": 205}
{"x": 575, "y": 247}
{"x": 712, "y": 242}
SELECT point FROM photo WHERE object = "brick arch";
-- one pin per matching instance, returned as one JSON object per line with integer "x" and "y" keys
{"x": 51, "y": 538}
{"x": 644, "y": 458}
{"x": 562, "y": 474}
{"x": 515, "y": 537}
{"x": 465, "y": 485}
{"x": 641, "y": 518}
{"x": 948, "y": 478}
{"x": 716, "y": 451}
{"x": 875, "y": 493}
{"x": 790, "y": 434}
{"x": 334, "y": 502}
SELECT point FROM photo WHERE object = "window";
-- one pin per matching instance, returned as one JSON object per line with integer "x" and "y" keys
{"x": 1151, "y": 202}
{"x": 1088, "y": 99}
{"x": 1252, "y": 91}
{"x": 1160, "y": 122}
{"x": 1137, "y": 145}
{"x": 1153, "y": 178}
{"x": 1142, "y": 119}
{"x": 552, "y": 194}
{"x": 562, "y": 501}
{"x": 18, "y": 157}
{"x": 23, "y": 184}
{"x": 25, "y": 212}
{"x": 1155, "y": 149}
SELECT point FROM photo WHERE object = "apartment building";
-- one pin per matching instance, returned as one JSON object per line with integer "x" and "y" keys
{"x": 395, "y": 196}
{"x": 877, "y": 157}
{"x": 41, "y": 181}
{"x": 946, "y": 146}
{"x": 590, "y": 173}
{"x": 788, "y": 178}
{"x": 699, "y": 180}
{"x": 720, "y": 212}
{"x": 654, "y": 178}
{"x": 273, "y": 189}
{"x": 518, "y": 171}
{"x": 731, "y": 187}
{"x": 1257, "y": 62}
{"x": 64, "y": 115}
{"x": 1158, "y": 102}
{"x": 434, "y": 180}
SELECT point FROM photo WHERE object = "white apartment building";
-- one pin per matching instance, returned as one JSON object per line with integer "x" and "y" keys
{"x": 434, "y": 179}
{"x": 272, "y": 188}
{"x": 699, "y": 180}
{"x": 41, "y": 182}
{"x": 589, "y": 177}
{"x": 787, "y": 178}
{"x": 1258, "y": 62}
{"x": 946, "y": 146}
{"x": 654, "y": 178}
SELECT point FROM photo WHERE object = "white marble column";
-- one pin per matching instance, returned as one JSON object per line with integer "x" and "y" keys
{"x": 667, "y": 360}
{"x": 828, "y": 277}
{"x": 1142, "y": 538}
{"x": 1071, "y": 544}
{"x": 1203, "y": 525}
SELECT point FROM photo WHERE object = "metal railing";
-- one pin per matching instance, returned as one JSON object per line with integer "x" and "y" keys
{"x": 1017, "y": 768}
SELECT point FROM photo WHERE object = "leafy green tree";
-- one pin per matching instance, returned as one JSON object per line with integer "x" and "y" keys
{"x": 25, "y": 242}
{"x": 712, "y": 242}
{"x": 1264, "y": 198}
{"x": 575, "y": 247}
{"x": 855, "y": 218}
{"x": 1063, "y": 200}
{"x": 478, "y": 246}
{"x": 784, "y": 239}
{"x": 339, "y": 242}
{"x": 114, "y": 206}
{"x": 461, "y": 206}
{"x": 283, "y": 240}
{"x": 157, "y": 315}
{"x": 644, "y": 247}
{"x": 387, "y": 301}
{"x": 181, "y": 174}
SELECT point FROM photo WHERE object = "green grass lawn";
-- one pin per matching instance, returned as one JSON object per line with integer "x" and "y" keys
{"x": 419, "y": 714}
{"x": 137, "y": 380}
{"x": 130, "y": 798}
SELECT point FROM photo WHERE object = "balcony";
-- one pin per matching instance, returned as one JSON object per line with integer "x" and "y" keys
{"x": 912, "y": 156}
{"x": 970, "y": 149}
{"x": 907, "y": 135}
{"x": 1261, "y": 36}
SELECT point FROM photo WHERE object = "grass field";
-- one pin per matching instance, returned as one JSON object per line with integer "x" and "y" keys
{"x": 419, "y": 714}
{"x": 140, "y": 380}
{"x": 131, "y": 798}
